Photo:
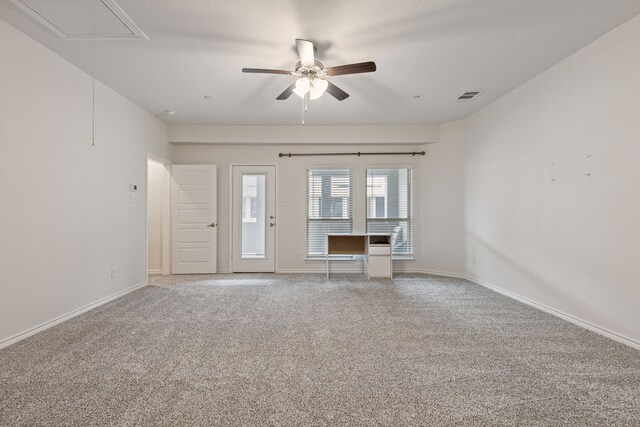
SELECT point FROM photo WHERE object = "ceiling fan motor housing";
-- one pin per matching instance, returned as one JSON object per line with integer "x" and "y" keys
{"x": 311, "y": 73}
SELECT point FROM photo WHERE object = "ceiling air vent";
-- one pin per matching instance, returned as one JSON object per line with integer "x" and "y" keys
{"x": 83, "y": 19}
{"x": 468, "y": 96}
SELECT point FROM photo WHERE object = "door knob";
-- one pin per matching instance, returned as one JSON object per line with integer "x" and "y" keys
{"x": 213, "y": 224}
{"x": 271, "y": 217}
{"x": 272, "y": 224}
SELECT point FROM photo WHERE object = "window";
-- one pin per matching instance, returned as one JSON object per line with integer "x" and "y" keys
{"x": 329, "y": 206}
{"x": 250, "y": 185}
{"x": 389, "y": 206}
{"x": 253, "y": 216}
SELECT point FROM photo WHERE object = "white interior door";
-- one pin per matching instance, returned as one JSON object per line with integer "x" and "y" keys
{"x": 254, "y": 218}
{"x": 194, "y": 228}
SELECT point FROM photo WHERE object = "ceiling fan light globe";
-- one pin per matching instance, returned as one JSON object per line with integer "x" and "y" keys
{"x": 303, "y": 84}
{"x": 299, "y": 92}
{"x": 318, "y": 87}
{"x": 315, "y": 94}
{"x": 321, "y": 84}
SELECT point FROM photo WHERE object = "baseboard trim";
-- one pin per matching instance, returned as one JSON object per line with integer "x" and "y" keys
{"x": 44, "y": 326}
{"x": 316, "y": 271}
{"x": 360, "y": 270}
{"x": 154, "y": 272}
{"x": 437, "y": 273}
{"x": 569, "y": 318}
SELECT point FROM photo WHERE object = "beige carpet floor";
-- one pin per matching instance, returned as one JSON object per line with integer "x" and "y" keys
{"x": 300, "y": 350}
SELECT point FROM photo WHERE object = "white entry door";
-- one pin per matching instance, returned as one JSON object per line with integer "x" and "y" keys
{"x": 254, "y": 218}
{"x": 194, "y": 228}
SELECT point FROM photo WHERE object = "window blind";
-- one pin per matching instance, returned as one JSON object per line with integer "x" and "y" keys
{"x": 389, "y": 206}
{"x": 329, "y": 206}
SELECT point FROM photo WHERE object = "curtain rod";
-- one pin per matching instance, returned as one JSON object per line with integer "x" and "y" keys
{"x": 396, "y": 153}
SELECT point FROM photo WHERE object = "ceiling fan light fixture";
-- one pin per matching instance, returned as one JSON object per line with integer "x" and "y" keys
{"x": 318, "y": 87}
{"x": 303, "y": 84}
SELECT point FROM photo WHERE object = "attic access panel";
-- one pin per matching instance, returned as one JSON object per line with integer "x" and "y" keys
{"x": 82, "y": 19}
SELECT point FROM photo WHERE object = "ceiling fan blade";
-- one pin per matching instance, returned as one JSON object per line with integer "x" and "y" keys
{"x": 265, "y": 71}
{"x": 336, "y": 92}
{"x": 361, "y": 67}
{"x": 305, "y": 51}
{"x": 287, "y": 92}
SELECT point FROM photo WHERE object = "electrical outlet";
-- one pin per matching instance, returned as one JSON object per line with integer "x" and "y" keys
{"x": 473, "y": 260}
{"x": 298, "y": 254}
{"x": 114, "y": 273}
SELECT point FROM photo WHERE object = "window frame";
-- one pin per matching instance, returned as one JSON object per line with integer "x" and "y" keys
{"x": 411, "y": 168}
{"x": 309, "y": 168}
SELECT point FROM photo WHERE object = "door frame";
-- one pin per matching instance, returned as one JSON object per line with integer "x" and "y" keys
{"x": 275, "y": 236}
{"x": 166, "y": 212}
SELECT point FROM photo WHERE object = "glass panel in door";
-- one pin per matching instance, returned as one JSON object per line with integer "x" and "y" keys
{"x": 253, "y": 216}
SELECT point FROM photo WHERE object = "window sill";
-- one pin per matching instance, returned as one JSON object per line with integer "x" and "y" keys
{"x": 322, "y": 258}
{"x": 353, "y": 258}
{"x": 409, "y": 258}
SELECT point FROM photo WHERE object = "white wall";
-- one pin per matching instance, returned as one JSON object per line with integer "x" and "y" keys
{"x": 295, "y": 135}
{"x": 291, "y": 234}
{"x": 155, "y": 192}
{"x": 64, "y": 204}
{"x": 573, "y": 243}
{"x": 442, "y": 202}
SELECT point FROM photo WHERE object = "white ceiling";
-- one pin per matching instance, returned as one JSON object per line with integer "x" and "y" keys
{"x": 433, "y": 48}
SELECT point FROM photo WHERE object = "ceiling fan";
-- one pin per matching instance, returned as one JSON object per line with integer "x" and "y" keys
{"x": 312, "y": 75}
